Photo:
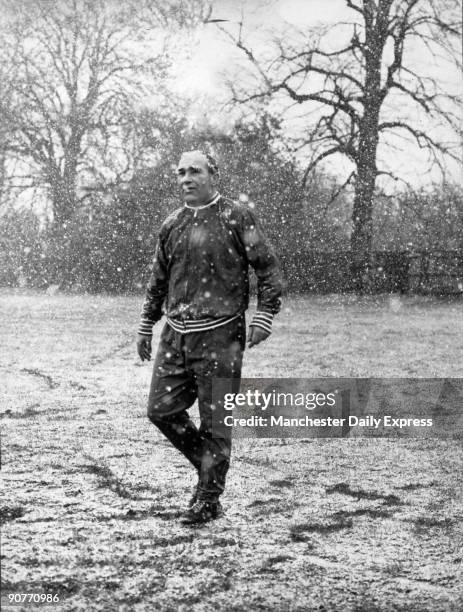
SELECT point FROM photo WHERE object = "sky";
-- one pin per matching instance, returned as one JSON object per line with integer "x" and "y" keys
{"x": 214, "y": 59}
{"x": 214, "y": 54}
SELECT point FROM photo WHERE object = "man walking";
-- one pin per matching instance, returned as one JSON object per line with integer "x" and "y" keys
{"x": 200, "y": 281}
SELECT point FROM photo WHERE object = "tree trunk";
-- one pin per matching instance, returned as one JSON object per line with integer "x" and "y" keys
{"x": 362, "y": 214}
{"x": 362, "y": 219}
{"x": 63, "y": 184}
{"x": 361, "y": 241}
{"x": 64, "y": 202}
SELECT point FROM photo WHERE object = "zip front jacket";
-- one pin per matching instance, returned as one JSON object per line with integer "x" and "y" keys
{"x": 201, "y": 266}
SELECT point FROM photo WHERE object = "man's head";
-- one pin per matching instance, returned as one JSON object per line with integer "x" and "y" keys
{"x": 197, "y": 174}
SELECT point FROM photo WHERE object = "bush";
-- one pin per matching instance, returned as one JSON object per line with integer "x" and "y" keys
{"x": 21, "y": 254}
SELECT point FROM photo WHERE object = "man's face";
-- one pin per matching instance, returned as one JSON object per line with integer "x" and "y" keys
{"x": 195, "y": 180}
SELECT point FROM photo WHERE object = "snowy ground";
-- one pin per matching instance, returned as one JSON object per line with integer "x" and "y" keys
{"x": 90, "y": 510}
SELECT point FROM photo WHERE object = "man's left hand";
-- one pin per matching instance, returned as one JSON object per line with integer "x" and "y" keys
{"x": 256, "y": 335}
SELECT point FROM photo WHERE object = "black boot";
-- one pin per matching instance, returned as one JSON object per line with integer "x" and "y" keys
{"x": 202, "y": 512}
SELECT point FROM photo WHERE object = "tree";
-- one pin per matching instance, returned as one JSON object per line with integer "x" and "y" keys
{"x": 363, "y": 90}
{"x": 74, "y": 71}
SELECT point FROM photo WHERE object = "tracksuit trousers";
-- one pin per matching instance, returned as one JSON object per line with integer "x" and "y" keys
{"x": 183, "y": 370}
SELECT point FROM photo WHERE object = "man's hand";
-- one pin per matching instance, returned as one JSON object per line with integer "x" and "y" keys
{"x": 256, "y": 335}
{"x": 144, "y": 347}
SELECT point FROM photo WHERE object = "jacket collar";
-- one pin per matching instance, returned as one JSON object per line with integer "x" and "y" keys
{"x": 214, "y": 200}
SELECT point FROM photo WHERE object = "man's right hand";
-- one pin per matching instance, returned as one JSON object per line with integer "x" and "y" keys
{"x": 144, "y": 347}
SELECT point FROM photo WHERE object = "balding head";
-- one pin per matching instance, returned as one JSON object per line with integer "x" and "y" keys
{"x": 197, "y": 154}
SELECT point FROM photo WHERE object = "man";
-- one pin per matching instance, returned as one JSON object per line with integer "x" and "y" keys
{"x": 199, "y": 280}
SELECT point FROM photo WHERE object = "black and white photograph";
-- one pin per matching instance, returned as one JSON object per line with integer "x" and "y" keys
{"x": 231, "y": 305}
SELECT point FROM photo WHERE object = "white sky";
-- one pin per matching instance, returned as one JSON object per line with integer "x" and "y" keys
{"x": 202, "y": 77}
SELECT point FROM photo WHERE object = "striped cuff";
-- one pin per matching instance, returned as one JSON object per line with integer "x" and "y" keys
{"x": 145, "y": 327}
{"x": 263, "y": 320}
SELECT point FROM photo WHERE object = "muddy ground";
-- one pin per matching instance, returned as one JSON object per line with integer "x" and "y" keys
{"x": 92, "y": 493}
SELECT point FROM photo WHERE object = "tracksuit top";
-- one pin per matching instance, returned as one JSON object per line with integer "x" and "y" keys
{"x": 200, "y": 273}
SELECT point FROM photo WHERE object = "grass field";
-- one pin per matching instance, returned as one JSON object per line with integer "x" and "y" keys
{"x": 90, "y": 510}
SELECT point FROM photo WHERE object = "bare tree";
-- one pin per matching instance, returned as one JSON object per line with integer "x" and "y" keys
{"x": 74, "y": 71}
{"x": 362, "y": 91}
